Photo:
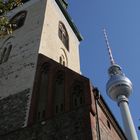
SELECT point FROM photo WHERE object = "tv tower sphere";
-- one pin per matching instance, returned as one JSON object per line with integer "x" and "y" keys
{"x": 118, "y": 84}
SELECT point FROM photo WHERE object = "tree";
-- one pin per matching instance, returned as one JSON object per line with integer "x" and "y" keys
{"x": 6, "y": 6}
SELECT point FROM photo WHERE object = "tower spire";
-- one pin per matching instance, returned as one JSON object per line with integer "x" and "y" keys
{"x": 108, "y": 47}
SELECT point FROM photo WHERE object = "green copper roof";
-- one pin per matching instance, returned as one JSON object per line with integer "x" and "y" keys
{"x": 69, "y": 19}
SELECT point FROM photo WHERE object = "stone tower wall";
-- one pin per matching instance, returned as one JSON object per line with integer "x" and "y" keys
{"x": 51, "y": 46}
{"x": 18, "y": 72}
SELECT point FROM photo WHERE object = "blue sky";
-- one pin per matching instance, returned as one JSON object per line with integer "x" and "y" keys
{"x": 121, "y": 18}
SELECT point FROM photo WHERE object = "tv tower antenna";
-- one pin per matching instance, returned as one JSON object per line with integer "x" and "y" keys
{"x": 108, "y": 47}
{"x": 119, "y": 88}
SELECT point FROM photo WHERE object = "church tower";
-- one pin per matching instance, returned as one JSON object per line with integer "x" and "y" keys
{"x": 42, "y": 92}
{"x": 43, "y": 28}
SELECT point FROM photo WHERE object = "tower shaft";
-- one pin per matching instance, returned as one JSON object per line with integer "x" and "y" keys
{"x": 127, "y": 119}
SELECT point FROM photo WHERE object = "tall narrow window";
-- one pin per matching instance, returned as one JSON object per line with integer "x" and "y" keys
{"x": 77, "y": 94}
{"x": 5, "y": 53}
{"x": 63, "y": 35}
{"x": 108, "y": 124}
{"x": 60, "y": 60}
{"x": 59, "y": 93}
{"x": 43, "y": 93}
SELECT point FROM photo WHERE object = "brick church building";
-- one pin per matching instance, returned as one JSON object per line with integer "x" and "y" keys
{"x": 43, "y": 95}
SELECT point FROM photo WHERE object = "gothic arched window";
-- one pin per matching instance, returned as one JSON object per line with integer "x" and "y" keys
{"x": 59, "y": 93}
{"x": 63, "y": 35}
{"x": 43, "y": 93}
{"x": 18, "y": 20}
{"x": 77, "y": 94}
{"x": 5, "y": 53}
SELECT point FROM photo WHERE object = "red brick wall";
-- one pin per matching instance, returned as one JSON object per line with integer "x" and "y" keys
{"x": 90, "y": 112}
{"x": 108, "y": 127}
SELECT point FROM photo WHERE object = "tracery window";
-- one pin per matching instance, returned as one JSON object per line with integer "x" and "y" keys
{"x": 63, "y": 35}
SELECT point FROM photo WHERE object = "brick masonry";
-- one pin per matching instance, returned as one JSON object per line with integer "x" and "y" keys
{"x": 78, "y": 123}
{"x": 68, "y": 126}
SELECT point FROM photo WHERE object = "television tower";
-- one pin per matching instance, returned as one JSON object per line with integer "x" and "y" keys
{"x": 119, "y": 88}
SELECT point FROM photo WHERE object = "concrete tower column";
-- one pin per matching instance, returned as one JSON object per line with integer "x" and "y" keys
{"x": 127, "y": 119}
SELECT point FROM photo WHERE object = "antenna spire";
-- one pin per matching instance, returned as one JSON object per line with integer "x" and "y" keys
{"x": 108, "y": 47}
